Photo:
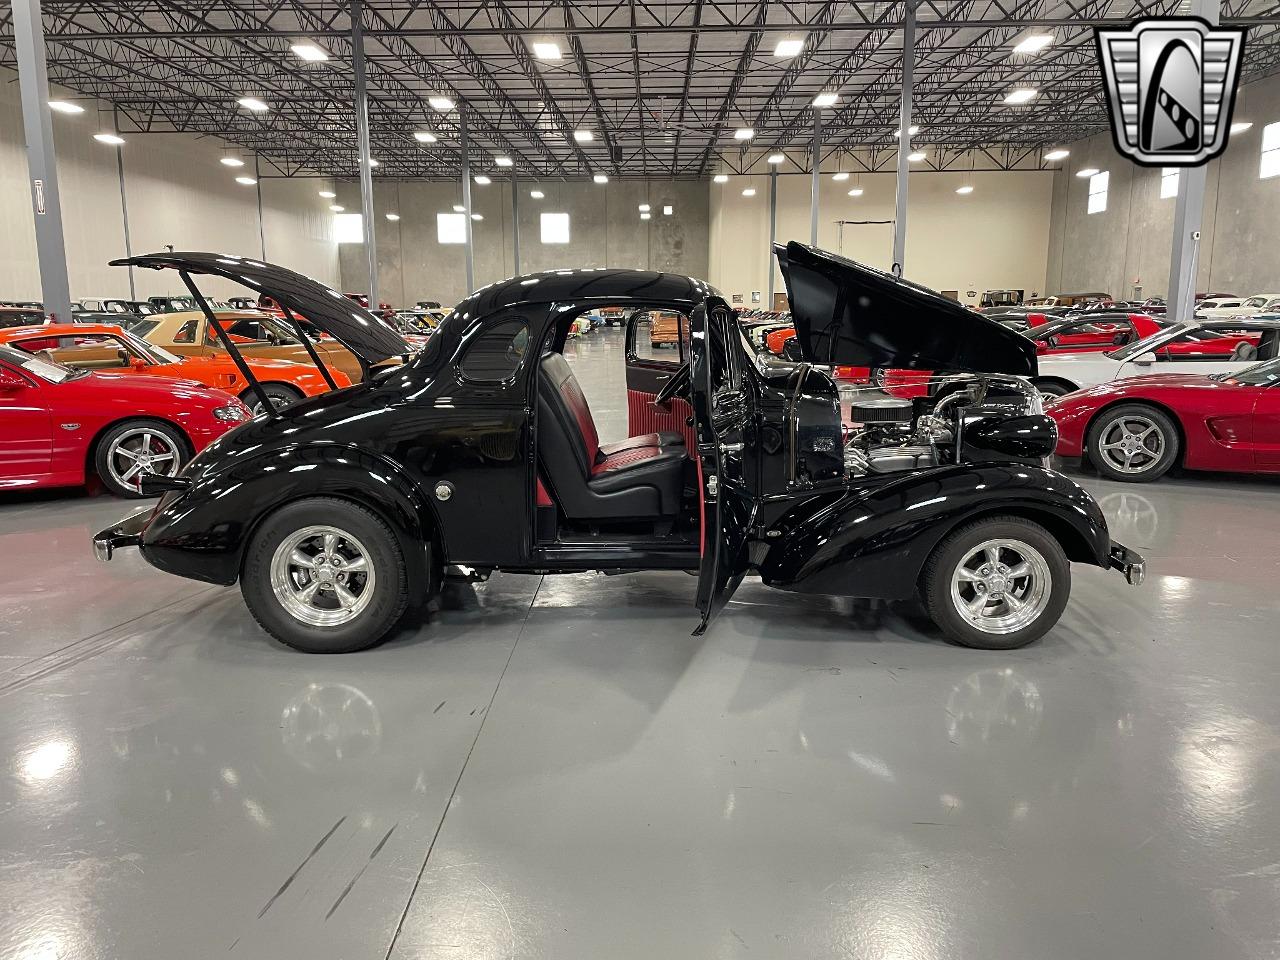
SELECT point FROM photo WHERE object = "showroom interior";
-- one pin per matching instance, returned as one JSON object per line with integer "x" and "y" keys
{"x": 700, "y": 479}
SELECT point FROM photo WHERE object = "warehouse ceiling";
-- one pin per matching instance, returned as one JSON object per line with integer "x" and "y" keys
{"x": 661, "y": 86}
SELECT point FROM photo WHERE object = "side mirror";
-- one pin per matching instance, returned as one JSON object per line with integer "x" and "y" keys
{"x": 1145, "y": 359}
{"x": 138, "y": 363}
{"x": 10, "y": 381}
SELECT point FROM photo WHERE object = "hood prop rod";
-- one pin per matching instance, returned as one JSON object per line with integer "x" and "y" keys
{"x": 222, "y": 335}
{"x": 306, "y": 342}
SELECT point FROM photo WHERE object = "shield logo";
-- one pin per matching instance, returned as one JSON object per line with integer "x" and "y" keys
{"x": 1171, "y": 88}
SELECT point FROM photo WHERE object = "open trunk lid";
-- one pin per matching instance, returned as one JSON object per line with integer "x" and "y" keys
{"x": 850, "y": 314}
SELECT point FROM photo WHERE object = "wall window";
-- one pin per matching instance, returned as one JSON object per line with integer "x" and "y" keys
{"x": 1098, "y": 191}
{"x": 1270, "y": 166}
{"x": 496, "y": 353}
{"x": 348, "y": 228}
{"x": 451, "y": 227}
{"x": 1168, "y": 183}
{"x": 555, "y": 228}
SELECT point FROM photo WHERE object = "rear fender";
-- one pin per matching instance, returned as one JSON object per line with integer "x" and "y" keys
{"x": 202, "y": 532}
{"x": 873, "y": 540}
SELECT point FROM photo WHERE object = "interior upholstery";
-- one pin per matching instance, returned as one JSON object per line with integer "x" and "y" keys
{"x": 635, "y": 478}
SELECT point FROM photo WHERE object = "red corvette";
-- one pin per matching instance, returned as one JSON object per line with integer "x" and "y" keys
{"x": 1083, "y": 334}
{"x": 61, "y": 426}
{"x": 1136, "y": 429}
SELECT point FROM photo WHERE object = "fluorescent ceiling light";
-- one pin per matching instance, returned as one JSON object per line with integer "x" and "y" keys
{"x": 1238, "y": 127}
{"x": 825, "y": 99}
{"x": 644, "y": 208}
{"x": 328, "y": 194}
{"x": 231, "y": 162}
{"x": 546, "y": 51}
{"x": 309, "y": 52}
{"x": 964, "y": 190}
{"x": 481, "y": 179}
{"x": 583, "y": 136}
{"x": 1021, "y": 95}
{"x": 743, "y": 133}
{"x": 668, "y": 210}
{"x": 537, "y": 194}
{"x": 842, "y": 175}
{"x": 911, "y": 131}
{"x": 459, "y": 208}
{"x": 424, "y": 136}
{"x": 443, "y": 104}
{"x": 788, "y": 48}
{"x": 503, "y": 161}
{"x": 917, "y": 156}
{"x": 110, "y": 138}
{"x": 855, "y": 192}
{"x": 247, "y": 181}
{"x": 749, "y": 192}
{"x": 65, "y": 106}
{"x": 1057, "y": 155}
{"x": 721, "y": 178}
{"x": 645, "y": 216}
{"x": 1087, "y": 172}
{"x": 477, "y": 216}
{"x": 336, "y": 208}
{"x": 254, "y": 104}
{"x": 373, "y": 162}
{"x": 776, "y": 158}
{"x": 600, "y": 178}
{"x": 393, "y": 216}
{"x": 1034, "y": 43}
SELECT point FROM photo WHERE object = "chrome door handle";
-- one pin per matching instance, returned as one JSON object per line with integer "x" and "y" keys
{"x": 732, "y": 447}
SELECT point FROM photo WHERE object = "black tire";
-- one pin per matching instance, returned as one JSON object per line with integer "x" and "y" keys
{"x": 167, "y": 440}
{"x": 281, "y": 396}
{"x": 943, "y": 564}
{"x": 389, "y": 597}
{"x": 1053, "y": 388}
{"x": 1154, "y": 453}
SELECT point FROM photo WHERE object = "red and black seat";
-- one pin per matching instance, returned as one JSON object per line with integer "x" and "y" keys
{"x": 636, "y": 478}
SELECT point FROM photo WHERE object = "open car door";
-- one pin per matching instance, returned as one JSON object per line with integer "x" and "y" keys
{"x": 724, "y": 415}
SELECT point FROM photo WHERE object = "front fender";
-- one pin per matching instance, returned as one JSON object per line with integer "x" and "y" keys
{"x": 872, "y": 539}
{"x": 201, "y": 532}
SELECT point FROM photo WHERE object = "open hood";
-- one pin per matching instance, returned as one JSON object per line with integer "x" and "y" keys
{"x": 370, "y": 338}
{"x": 850, "y": 314}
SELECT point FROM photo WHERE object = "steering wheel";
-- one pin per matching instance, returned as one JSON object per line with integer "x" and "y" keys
{"x": 679, "y": 381}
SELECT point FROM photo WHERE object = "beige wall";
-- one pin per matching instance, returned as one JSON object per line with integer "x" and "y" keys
{"x": 178, "y": 193}
{"x": 994, "y": 238}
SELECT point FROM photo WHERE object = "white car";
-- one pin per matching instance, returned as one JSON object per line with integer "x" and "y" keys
{"x": 1249, "y": 307}
{"x": 1198, "y": 346}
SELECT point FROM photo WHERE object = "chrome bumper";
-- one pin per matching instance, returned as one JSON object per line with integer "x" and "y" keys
{"x": 126, "y": 533}
{"x": 1131, "y": 564}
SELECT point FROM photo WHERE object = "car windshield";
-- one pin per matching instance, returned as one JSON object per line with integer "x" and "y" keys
{"x": 21, "y": 318}
{"x": 1265, "y": 374}
{"x": 47, "y": 370}
{"x": 258, "y": 327}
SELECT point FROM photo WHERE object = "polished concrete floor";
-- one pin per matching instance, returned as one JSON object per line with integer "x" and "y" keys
{"x": 556, "y": 769}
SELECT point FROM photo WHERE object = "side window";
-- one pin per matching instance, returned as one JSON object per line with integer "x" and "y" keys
{"x": 186, "y": 333}
{"x": 497, "y": 352}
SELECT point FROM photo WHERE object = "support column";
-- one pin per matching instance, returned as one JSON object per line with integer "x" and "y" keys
{"x": 904, "y": 138}
{"x": 262, "y": 231}
{"x": 515, "y": 224}
{"x": 365, "y": 154}
{"x": 773, "y": 227}
{"x": 815, "y": 187}
{"x": 124, "y": 217}
{"x": 42, "y": 164}
{"x": 1188, "y": 213}
{"x": 466, "y": 196}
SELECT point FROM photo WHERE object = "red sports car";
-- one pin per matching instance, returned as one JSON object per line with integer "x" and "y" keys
{"x": 61, "y": 426}
{"x": 1087, "y": 333}
{"x": 1137, "y": 428}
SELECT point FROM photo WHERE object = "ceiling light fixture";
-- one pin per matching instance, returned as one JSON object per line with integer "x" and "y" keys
{"x": 583, "y": 136}
{"x": 393, "y": 216}
{"x": 966, "y": 189}
{"x": 503, "y": 161}
{"x": 373, "y": 162}
{"x": 247, "y": 181}
{"x": 481, "y": 179}
{"x": 749, "y": 192}
{"x": 1087, "y": 172}
{"x": 1034, "y": 43}
{"x": 110, "y": 138}
{"x": 855, "y": 192}
{"x": 1238, "y": 127}
{"x": 743, "y": 133}
{"x": 600, "y": 178}
{"x": 1021, "y": 95}
{"x": 309, "y": 52}
{"x": 917, "y": 156}
{"x": 537, "y": 194}
{"x": 443, "y": 104}
{"x": 644, "y": 208}
{"x": 328, "y": 194}
{"x": 336, "y": 208}
{"x": 825, "y": 100}
{"x": 911, "y": 131}
{"x": 424, "y": 136}
{"x": 65, "y": 106}
{"x": 668, "y": 210}
{"x": 776, "y": 158}
{"x": 788, "y": 48}
{"x": 842, "y": 175}
{"x": 459, "y": 208}
{"x": 721, "y": 178}
{"x": 645, "y": 216}
{"x": 231, "y": 162}
{"x": 1057, "y": 155}
{"x": 477, "y": 216}
{"x": 546, "y": 51}
{"x": 254, "y": 104}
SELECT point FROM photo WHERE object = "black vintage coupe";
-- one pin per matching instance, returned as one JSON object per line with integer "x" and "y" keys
{"x": 480, "y": 454}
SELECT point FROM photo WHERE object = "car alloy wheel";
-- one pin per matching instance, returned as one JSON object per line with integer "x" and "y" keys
{"x": 322, "y": 576}
{"x": 1132, "y": 444}
{"x": 1001, "y": 586}
{"x": 139, "y": 451}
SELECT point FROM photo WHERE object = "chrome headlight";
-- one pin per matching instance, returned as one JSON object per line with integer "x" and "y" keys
{"x": 233, "y": 413}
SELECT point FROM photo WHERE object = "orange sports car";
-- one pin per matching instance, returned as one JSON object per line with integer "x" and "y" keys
{"x": 95, "y": 346}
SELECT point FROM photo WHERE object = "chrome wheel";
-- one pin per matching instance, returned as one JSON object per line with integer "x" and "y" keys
{"x": 1131, "y": 444}
{"x": 1001, "y": 586}
{"x": 142, "y": 450}
{"x": 322, "y": 576}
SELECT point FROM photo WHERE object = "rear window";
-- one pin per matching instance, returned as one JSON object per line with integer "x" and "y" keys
{"x": 496, "y": 354}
